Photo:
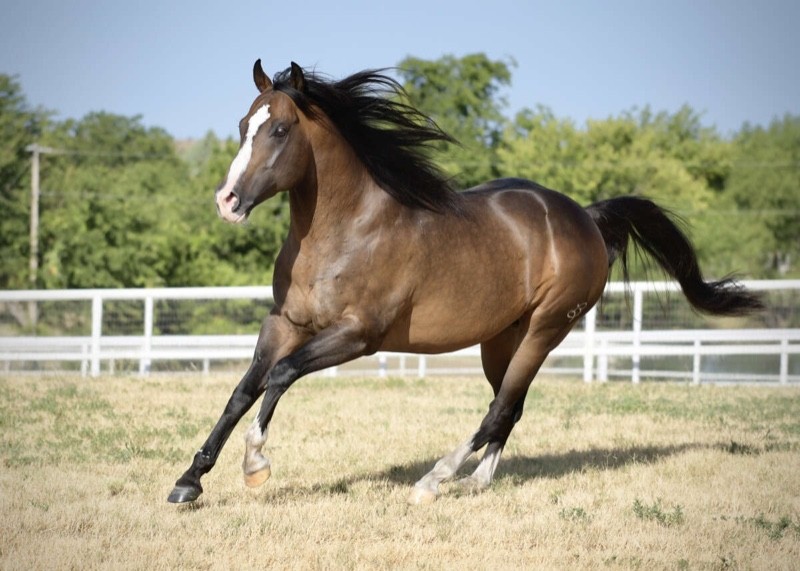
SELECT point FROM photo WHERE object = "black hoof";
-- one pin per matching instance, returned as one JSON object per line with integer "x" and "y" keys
{"x": 184, "y": 494}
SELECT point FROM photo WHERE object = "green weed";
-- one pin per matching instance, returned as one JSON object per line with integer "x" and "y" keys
{"x": 655, "y": 512}
{"x": 575, "y": 515}
{"x": 775, "y": 530}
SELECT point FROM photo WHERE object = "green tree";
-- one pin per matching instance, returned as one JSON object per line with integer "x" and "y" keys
{"x": 110, "y": 204}
{"x": 20, "y": 126}
{"x": 463, "y": 96}
{"x": 553, "y": 152}
{"x": 225, "y": 254}
{"x": 119, "y": 208}
{"x": 198, "y": 153}
{"x": 764, "y": 184}
{"x": 670, "y": 158}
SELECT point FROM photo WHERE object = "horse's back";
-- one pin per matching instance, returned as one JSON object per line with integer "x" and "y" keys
{"x": 559, "y": 231}
{"x": 526, "y": 200}
{"x": 509, "y": 183}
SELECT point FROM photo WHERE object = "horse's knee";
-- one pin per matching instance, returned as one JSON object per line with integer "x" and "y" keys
{"x": 282, "y": 375}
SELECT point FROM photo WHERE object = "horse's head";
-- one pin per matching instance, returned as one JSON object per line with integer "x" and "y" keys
{"x": 273, "y": 153}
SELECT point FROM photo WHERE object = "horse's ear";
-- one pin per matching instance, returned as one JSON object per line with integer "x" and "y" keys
{"x": 298, "y": 79}
{"x": 262, "y": 79}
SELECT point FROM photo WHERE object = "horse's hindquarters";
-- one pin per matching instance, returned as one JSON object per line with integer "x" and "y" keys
{"x": 518, "y": 250}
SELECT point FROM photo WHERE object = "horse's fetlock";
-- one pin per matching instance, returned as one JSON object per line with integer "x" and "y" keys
{"x": 203, "y": 460}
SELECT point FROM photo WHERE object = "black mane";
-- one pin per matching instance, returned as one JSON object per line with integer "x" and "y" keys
{"x": 391, "y": 138}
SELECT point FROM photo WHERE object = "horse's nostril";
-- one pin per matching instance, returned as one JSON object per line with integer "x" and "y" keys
{"x": 230, "y": 201}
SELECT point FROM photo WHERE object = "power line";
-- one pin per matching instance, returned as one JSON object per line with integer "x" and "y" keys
{"x": 118, "y": 196}
{"x": 623, "y": 161}
{"x": 110, "y": 154}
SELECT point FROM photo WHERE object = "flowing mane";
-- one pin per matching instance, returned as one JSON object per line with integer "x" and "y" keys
{"x": 391, "y": 138}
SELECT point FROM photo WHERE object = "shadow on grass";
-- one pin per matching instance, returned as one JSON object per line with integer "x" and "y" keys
{"x": 523, "y": 468}
{"x": 518, "y": 469}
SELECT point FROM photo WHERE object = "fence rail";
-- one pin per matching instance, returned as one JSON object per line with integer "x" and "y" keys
{"x": 599, "y": 348}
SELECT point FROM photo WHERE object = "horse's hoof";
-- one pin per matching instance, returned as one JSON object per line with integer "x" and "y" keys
{"x": 255, "y": 479}
{"x": 421, "y": 496}
{"x": 184, "y": 494}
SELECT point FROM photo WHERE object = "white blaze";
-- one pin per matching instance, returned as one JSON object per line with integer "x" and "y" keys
{"x": 239, "y": 164}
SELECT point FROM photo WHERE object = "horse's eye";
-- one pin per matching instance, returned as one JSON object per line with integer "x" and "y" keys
{"x": 280, "y": 131}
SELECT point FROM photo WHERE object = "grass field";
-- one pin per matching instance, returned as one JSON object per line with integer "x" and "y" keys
{"x": 612, "y": 476}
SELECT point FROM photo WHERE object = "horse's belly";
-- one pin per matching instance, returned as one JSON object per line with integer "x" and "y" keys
{"x": 451, "y": 324}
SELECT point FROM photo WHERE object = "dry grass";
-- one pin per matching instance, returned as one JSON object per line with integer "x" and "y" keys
{"x": 602, "y": 476}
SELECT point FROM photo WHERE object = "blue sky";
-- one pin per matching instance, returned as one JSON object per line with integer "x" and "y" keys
{"x": 186, "y": 66}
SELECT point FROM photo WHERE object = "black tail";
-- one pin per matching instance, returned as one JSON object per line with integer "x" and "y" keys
{"x": 651, "y": 228}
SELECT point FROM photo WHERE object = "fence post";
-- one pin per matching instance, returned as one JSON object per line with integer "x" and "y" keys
{"x": 84, "y": 359}
{"x": 97, "y": 332}
{"x": 696, "y": 363}
{"x": 144, "y": 362}
{"x": 638, "y": 296}
{"x": 602, "y": 362}
{"x": 588, "y": 344}
{"x": 784, "y": 372}
{"x": 422, "y": 364}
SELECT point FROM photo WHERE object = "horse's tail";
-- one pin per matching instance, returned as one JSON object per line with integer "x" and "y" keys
{"x": 653, "y": 230}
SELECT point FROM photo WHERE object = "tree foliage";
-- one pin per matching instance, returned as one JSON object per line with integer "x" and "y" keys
{"x": 20, "y": 126}
{"x": 120, "y": 208}
{"x": 765, "y": 183}
{"x": 670, "y": 156}
{"x": 464, "y": 96}
{"x": 108, "y": 206}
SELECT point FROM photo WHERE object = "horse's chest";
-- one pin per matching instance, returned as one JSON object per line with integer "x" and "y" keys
{"x": 317, "y": 302}
{"x": 324, "y": 285}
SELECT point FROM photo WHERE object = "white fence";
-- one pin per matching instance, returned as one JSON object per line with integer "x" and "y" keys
{"x": 599, "y": 348}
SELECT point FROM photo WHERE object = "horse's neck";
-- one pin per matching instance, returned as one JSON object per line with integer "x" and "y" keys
{"x": 337, "y": 195}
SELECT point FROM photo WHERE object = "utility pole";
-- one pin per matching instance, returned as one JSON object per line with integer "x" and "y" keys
{"x": 33, "y": 263}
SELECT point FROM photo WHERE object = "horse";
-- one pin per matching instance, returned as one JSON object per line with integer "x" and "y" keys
{"x": 383, "y": 254}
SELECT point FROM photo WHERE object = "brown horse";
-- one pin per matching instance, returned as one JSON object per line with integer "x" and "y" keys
{"x": 382, "y": 254}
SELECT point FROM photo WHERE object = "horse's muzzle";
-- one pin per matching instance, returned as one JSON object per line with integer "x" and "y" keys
{"x": 229, "y": 207}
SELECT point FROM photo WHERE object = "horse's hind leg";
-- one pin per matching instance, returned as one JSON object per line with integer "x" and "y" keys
{"x": 504, "y": 411}
{"x": 496, "y": 355}
{"x": 426, "y": 489}
{"x": 481, "y": 478}
{"x": 510, "y": 399}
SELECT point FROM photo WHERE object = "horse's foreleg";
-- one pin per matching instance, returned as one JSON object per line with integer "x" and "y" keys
{"x": 188, "y": 488}
{"x": 333, "y": 346}
{"x": 272, "y": 341}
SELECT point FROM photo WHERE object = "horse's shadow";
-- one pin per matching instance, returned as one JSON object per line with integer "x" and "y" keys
{"x": 524, "y": 468}
{"x": 517, "y": 469}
